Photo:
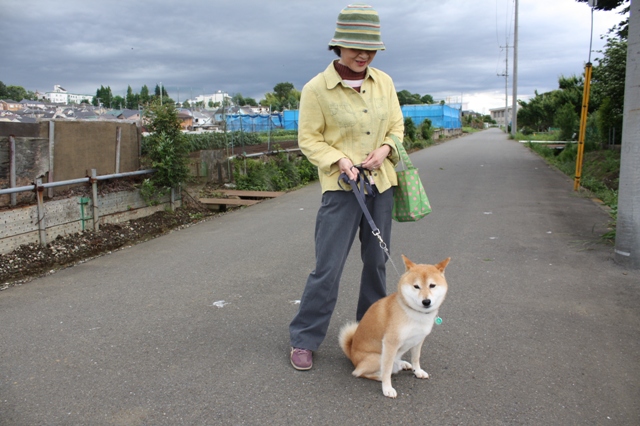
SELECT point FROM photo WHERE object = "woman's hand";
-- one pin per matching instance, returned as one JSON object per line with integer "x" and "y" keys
{"x": 375, "y": 159}
{"x": 346, "y": 166}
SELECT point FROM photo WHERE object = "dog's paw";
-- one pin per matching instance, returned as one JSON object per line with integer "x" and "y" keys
{"x": 421, "y": 374}
{"x": 389, "y": 391}
{"x": 404, "y": 365}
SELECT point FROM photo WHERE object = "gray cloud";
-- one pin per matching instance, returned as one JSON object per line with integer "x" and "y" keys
{"x": 446, "y": 48}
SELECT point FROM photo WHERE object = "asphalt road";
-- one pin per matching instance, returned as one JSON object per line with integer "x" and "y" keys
{"x": 540, "y": 326}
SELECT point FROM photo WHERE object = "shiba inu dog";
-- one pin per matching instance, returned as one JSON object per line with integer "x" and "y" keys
{"x": 396, "y": 324}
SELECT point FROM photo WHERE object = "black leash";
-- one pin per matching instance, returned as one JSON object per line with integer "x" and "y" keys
{"x": 359, "y": 186}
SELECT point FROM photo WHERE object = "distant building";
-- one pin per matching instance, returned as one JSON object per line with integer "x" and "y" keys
{"x": 498, "y": 115}
{"x": 9, "y": 105}
{"x": 216, "y": 98}
{"x": 30, "y": 104}
{"x": 61, "y": 96}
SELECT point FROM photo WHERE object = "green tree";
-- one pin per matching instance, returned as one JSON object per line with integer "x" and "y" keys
{"x": 539, "y": 113}
{"x": 427, "y": 99}
{"x": 407, "y": 98}
{"x": 567, "y": 120}
{"x": 118, "y": 102}
{"x": 103, "y": 96}
{"x": 284, "y": 96}
{"x": 166, "y": 148}
{"x": 250, "y": 101}
{"x": 426, "y": 129}
{"x": 144, "y": 95}
{"x": 237, "y": 99}
{"x": 608, "y": 83}
{"x": 283, "y": 90}
{"x": 163, "y": 95}
{"x": 622, "y": 29}
{"x": 410, "y": 129}
{"x": 132, "y": 99}
{"x": 16, "y": 93}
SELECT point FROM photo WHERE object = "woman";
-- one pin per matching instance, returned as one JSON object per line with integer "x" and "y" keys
{"x": 347, "y": 116}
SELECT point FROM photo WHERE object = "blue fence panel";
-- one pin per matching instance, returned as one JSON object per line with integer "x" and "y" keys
{"x": 291, "y": 119}
{"x": 254, "y": 123}
{"x": 441, "y": 116}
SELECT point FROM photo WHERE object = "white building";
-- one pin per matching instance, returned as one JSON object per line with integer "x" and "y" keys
{"x": 498, "y": 115}
{"x": 61, "y": 96}
{"x": 216, "y": 98}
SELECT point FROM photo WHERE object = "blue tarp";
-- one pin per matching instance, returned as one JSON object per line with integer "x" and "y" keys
{"x": 441, "y": 116}
{"x": 254, "y": 123}
{"x": 291, "y": 119}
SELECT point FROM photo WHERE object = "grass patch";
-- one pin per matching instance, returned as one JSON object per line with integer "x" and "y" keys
{"x": 538, "y": 136}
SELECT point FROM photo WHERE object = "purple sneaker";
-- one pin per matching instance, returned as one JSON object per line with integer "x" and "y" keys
{"x": 301, "y": 359}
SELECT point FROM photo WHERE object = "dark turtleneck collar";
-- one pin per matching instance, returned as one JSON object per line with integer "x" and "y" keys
{"x": 350, "y": 77}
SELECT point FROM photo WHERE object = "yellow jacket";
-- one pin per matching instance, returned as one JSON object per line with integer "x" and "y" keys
{"x": 336, "y": 121}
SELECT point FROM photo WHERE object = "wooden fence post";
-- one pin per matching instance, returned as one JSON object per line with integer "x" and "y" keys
{"x": 12, "y": 168}
{"x": 52, "y": 144}
{"x": 42, "y": 227}
{"x": 118, "y": 138}
{"x": 94, "y": 190}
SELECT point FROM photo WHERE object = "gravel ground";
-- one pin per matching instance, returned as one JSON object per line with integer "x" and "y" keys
{"x": 33, "y": 260}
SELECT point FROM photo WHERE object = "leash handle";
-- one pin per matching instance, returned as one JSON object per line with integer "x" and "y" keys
{"x": 358, "y": 191}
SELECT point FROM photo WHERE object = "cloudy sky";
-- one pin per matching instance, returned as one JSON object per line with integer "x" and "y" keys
{"x": 450, "y": 49}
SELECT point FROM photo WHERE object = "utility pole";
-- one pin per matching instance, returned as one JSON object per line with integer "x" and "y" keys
{"x": 506, "y": 88}
{"x": 627, "y": 248}
{"x": 514, "y": 108}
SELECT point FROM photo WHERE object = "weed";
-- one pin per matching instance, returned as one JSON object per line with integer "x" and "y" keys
{"x": 277, "y": 173}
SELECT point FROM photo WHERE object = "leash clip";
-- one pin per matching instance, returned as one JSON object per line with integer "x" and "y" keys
{"x": 359, "y": 193}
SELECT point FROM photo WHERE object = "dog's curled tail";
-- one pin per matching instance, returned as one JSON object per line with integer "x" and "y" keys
{"x": 346, "y": 337}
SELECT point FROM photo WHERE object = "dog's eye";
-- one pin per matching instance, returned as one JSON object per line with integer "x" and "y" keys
{"x": 432, "y": 285}
{"x": 416, "y": 286}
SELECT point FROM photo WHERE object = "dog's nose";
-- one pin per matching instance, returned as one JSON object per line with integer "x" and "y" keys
{"x": 426, "y": 302}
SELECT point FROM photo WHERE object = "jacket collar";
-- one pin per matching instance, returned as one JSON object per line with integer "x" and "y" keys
{"x": 333, "y": 79}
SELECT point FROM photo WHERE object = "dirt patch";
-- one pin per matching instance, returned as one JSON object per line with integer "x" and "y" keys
{"x": 33, "y": 260}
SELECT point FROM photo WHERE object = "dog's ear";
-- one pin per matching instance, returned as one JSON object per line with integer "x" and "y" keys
{"x": 442, "y": 265}
{"x": 407, "y": 263}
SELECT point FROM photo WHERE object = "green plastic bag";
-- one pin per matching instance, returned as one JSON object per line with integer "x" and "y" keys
{"x": 410, "y": 202}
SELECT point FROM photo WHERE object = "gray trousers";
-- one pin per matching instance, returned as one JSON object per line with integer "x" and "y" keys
{"x": 338, "y": 220}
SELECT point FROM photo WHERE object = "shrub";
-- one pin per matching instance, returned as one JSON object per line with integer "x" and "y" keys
{"x": 277, "y": 173}
{"x": 426, "y": 131}
{"x": 567, "y": 120}
{"x": 166, "y": 149}
{"x": 409, "y": 128}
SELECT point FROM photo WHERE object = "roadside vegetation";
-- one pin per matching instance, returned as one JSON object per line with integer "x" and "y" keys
{"x": 600, "y": 169}
{"x": 555, "y": 116}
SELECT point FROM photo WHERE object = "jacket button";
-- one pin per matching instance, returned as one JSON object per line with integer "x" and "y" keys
{"x": 365, "y": 111}
{"x": 368, "y": 133}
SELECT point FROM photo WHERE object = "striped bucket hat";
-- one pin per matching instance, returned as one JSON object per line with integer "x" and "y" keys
{"x": 358, "y": 27}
